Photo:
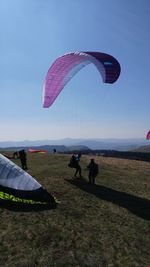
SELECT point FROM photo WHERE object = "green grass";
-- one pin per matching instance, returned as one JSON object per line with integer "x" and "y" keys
{"x": 100, "y": 226}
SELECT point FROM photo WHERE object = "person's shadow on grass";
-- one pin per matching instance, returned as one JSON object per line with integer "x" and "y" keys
{"x": 137, "y": 205}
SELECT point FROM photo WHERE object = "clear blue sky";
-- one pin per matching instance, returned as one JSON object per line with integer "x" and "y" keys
{"x": 33, "y": 33}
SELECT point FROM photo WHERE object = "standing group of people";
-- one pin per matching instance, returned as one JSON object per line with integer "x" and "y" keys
{"x": 92, "y": 167}
{"x": 74, "y": 163}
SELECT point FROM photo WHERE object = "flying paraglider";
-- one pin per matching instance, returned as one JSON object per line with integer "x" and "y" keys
{"x": 66, "y": 66}
{"x": 148, "y": 135}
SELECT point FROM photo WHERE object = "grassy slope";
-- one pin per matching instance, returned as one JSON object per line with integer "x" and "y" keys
{"x": 100, "y": 226}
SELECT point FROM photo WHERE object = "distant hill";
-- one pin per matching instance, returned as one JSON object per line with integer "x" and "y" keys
{"x": 143, "y": 149}
{"x": 134, "y": 154}
{"x": 91, "y": 143}
{"x": 49, "y": 148}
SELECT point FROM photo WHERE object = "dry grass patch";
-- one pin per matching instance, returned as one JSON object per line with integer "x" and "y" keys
{"x": 100, "y": 226}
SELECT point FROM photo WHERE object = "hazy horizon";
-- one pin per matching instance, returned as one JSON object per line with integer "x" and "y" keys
{"x": 71, "y": 138}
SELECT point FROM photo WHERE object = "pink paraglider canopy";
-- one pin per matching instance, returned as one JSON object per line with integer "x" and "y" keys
{"x": 148, "y": 135}
{"x": 66, "y": 66}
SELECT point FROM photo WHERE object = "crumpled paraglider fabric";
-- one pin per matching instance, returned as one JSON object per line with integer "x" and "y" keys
{"x": 37, "y": 150}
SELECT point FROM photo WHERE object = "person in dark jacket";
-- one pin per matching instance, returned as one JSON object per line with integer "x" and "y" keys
{"x": 15, "y": 155}
{"x": 23, "y": 159}
{"x": 93, "y": 171}
{"x": 74, "y": 163}
{"x": 77, "y": 165}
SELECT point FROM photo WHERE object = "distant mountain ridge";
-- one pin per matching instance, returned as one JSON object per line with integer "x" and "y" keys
{"x": 91, "y": 143}
{"x": 139, "y": 153}
{"x": 48, "y": 148}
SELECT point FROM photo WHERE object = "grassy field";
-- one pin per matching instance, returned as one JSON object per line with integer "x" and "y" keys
{"x": 106, "y": 225}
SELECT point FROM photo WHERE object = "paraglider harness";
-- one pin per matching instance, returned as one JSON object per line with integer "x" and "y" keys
{"x": 73, "y": 162}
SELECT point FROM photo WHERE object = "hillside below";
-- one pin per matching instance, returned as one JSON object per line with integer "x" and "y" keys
{"x": 106, "y": 224}
{"x": 142, "y": 149}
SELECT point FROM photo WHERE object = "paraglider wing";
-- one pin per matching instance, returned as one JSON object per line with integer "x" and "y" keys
{"x": 37, "y": 150}
{"x": 66, "y": 66}
{"x": 148, "y": 135}
{"x": 20, "y": 189}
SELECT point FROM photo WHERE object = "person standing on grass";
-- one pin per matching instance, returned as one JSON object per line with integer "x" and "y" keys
{"x": 93, "y": 171}
{"x": 15, "y": 155}
{"x": 74, "y": 163}
{"x": 77, "y": 165}
{"x": 23, "y": 159}
{"x": 54, "y": 151}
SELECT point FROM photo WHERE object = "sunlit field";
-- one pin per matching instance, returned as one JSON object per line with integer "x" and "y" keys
{"x": 104, "y": 225}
